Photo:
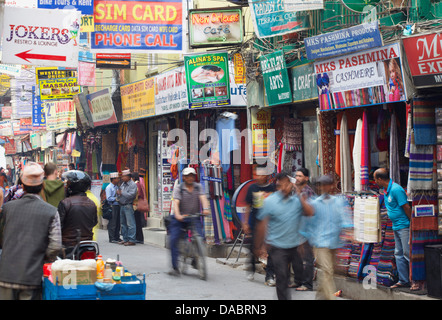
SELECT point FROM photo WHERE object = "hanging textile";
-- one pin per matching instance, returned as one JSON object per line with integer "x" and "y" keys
{"x": 424, "y": 198}
{"x": 345, "y": 158}
{"x": 420, "y": 239}
{"x": 365, "y": 152}
{"x": 357, "y": 156}
{"x": 327, "y": 143}
{"x": 366, "y": 219}
{"x": 292, "y": 134}
{"x": 109, "y": 148}
{"x": 421, "y": 166}
{"x": 408, "y": 133}
{"x": 395, "y": 173}
{"x": 424, "y": 124}
{"x": 386, "y": 270}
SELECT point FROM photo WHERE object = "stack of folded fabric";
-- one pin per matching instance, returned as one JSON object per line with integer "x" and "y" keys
{"x": 355, "y": 258}
{"x": 386, "y": 271}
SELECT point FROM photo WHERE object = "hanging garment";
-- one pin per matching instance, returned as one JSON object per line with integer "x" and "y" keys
{"x": 357, "y": 156}
{"x": 227, "y": 140}
{"x": 421, "y": 166}
{"x": 424, "y": 123}
{"x": 365, "y": 152}
{"x": 345, "y": 158}
{"x": 395, "y": 173}
{"x": 420, "y": 239}
{"x": 292, "y": 134}
{"x": 408, "y": 133}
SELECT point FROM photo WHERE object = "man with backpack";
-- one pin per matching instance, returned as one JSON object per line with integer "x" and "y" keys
{"x": 188, "y": 198}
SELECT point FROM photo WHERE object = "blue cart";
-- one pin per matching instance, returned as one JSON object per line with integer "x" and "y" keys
{"x": 121, "y": 291}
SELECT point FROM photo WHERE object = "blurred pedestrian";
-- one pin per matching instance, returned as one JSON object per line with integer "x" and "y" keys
{"x": 399, "y": 212}
{"x": 126, "y": 195}
{"x": 304, "y": 280}
{"x": 256, "y": 194}
{"x": 53, "y": 189}
{"x": 30, "y": 236}
{"x": 140, "y": 208}
{"x": 279, "y": 225}
{"x": 114, "y": 225}
{"x": 327, "y": 224}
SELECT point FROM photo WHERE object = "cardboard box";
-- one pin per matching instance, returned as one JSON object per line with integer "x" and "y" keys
{"x": 74, "y": 277}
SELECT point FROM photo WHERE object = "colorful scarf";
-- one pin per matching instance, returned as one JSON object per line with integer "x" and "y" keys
{"x": 365, "y": 152}
{"x": 421, "y": 166}
{"x": 424, "y": 124}
{"x": 395, "y": 173}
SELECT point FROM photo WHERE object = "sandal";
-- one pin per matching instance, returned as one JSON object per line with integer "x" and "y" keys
{"x": 399, "y": 285}
{"x": 303, "y": 288}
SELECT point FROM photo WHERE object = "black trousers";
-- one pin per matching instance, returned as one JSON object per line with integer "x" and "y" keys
{"x": 114, "y": 225}
{"x": 282, "y": 258}
{"x": 305, "y": 266}
{"x": 139, "y": 222}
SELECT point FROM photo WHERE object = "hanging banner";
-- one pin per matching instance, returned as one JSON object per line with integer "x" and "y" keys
{"x": 138, "y": 99}
{"x": 86, "y": 74}
{"x": 113, "y": 60}
{"x": 57, "y": 83}
{"x": 240, "y": 68}
{"x": 86, "y": 7}
{"x": 276, "y": 78}
{"x": 424, "y": 55}
{"x": 6, "y": 128}
{"x": 38, "y": 114}
{"x": 207, "y": 79}
{"x": 171, "y": 92}
{"x": 87, "y": 23}
{"x": 128, "y": 26}
{"x": 21, "y": 97}
{"x": 261, "y": 122}
{"x": 102, "y": 108}
{"x": 41, "y": 37}
{"x": 83, "y": 111}
{"x": 12, "y": 70}
{"x": 360, "y": 37}
{"x": 303, "y": 5}
{"x": 25, "y": 125}
{"x": 238, "y": 96}
{"x": 216, "y": 27}
{"x": 6, "y": 112}
{"x": 303, "y": 83}
{"x": 10, "y": 146}
{"x": 270, "y": 19}
{"x": 60, "y": 115}
{"x": 363, "y": 78}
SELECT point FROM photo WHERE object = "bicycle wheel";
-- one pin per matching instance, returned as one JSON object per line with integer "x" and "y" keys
{"x": 184, "y": 249}
{"x": 200, "y": 257}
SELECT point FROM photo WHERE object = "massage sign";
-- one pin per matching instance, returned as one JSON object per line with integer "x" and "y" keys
{"x": 138, "y": 25}
{"x": 41, "y": 37}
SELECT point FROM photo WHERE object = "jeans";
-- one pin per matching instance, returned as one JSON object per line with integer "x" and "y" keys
{"x": 402, "y": 254}
{"x": 128, "y": 226}
{"x": 113, "y": 227}
{"x": 176, "y": 231}
{"x": 281, "y": 259}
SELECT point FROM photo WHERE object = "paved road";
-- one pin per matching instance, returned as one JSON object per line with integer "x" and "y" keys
{"x": 224, "y": 282}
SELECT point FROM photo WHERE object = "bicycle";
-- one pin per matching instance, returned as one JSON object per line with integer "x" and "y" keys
{"x": 192, "y": 248}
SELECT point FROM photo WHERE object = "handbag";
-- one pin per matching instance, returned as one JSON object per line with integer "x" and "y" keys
{"x": 142, "y": 205}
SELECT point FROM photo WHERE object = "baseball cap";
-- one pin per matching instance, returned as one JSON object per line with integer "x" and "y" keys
{"x": 325, "y": 180}
{"x": 188, "y": 170}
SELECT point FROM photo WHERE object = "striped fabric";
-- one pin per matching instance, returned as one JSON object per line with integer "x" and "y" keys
{"x": 365, "y": 152}
{"x": 421, "y": 166}
{"x": 424, "y": 124}
{"x": 420, "y": 239}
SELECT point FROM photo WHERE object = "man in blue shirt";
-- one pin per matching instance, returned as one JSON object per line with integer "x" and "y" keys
{"x": 324, "y": 230}
{"x": 113, "y": 227}
{"x": 281, "y": 216}
{"x": 399, "y": 212}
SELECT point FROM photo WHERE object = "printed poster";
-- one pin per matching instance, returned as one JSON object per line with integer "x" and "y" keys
{"x": 171, "y": 92}
{"x": 101, "y": 107}
{"x": 138, "y": 99}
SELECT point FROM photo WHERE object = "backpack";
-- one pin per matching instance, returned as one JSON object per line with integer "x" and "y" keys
{"x": 106, "y": 209}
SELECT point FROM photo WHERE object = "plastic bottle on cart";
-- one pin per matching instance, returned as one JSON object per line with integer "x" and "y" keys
{"x": 107, "y": 274}
{"x": 100, "y": 268}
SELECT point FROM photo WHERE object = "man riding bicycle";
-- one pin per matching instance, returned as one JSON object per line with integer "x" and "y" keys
{"x": 188, "y": 198}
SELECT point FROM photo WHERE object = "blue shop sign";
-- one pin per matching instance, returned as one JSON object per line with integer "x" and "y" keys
{"x": 341, "y": 42}
{"x": 86, "y": 7}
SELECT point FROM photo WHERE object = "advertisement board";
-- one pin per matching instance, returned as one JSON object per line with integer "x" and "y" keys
{"x": 171, "y": 92}
{"x": 138, "y": 99}
{"x": 101, "y": 107}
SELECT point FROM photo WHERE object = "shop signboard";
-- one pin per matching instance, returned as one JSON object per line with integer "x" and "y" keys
{"x": 113, "y": 60}
{"x": 10, "y": 69}
{"x": 207, "y": 79}
{"x": 424, "y": 55}
{"x": 60, "y": 115}
{"x": 57, "y": 83}
{"x": 38, "y": 114}
{"x": 6, "y": 112}
{"x": 365, "y": 78}
{"x": 276, "y": 78}
{"x": 131, "y": 25}
{"x": 360, "y": 37}
{"x": 215, "y": 27}
{"x": 138, "y": 99}
{"x": 41, "y": 37}
{"x": 25, "y": 125}
{"x": 83, "y": 111}
{"x": 21, "y": 97}
{"x": 239, "y": 68}
{"x": 171, "y": 92}
{"x": 101, "y": 108}
{"x": 86, "y": 7}
{"x": 261, "y": 121}
{"x": 303, "y": 83}
{"x": 6, "y": 128}
{"x": 165, "y": 181}
{"x": 10, "y": 146}
{"x": 238, "y": 90}
{"x": 270, "y": 19}
{"x": 86, "y": 74}
{"x": 303, "y": 5}
{"x": 87, "y": 23}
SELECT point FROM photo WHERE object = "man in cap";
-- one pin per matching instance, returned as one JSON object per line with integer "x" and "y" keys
{"x": 114, "y": 226}
{"x": 188, "y": 198}
{"x": 30, "y": 235}
{"x": 126, "y": 197}
{"x": 325, "y": 227}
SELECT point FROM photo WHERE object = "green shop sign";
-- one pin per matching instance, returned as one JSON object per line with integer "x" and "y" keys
{"x": 276, "y": 78}
{"x": 207, "y": 79}
{"x": 303, "y": 83}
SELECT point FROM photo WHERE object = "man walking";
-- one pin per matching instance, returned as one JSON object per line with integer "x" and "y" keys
{"x": 281, "y": 216}
{"x": 399, "y": 212}
{"x": 30, "y": 236}
{"x": 114, "y": 226}
{"x": 126, "y": 197}
{"x": 256, "y": 194}
{"x": 188, "y": 198}
{"x": 53, "y": 189}
{"x": 325, "y": 228}
{"x": 304, "y": 280}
